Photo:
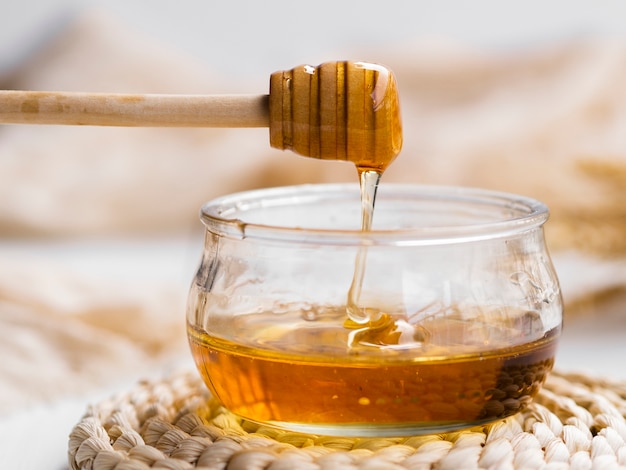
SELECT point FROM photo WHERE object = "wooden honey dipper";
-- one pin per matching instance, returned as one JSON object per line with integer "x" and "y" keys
{"x": 335, "y": 111}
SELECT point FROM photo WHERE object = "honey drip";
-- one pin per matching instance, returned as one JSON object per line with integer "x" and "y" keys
{"x": 369, "y": 180}
{"x": 341, "y": 111}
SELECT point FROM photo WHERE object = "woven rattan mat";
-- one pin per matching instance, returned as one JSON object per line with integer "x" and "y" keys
{"x": 576, "y": 422}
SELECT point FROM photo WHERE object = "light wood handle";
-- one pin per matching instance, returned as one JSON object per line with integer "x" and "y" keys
{"x": 102, "y": 109}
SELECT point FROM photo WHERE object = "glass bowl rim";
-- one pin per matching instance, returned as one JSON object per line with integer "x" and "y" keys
{"x": 225, "y": 215}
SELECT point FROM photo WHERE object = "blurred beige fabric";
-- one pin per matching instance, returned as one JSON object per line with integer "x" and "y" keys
{"x": 548, "y": 123}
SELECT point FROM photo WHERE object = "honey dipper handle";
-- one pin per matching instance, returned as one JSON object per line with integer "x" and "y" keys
{"x": 104, "y": 109}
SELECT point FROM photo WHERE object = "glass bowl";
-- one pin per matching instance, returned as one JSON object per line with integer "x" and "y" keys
{"x": 455, "y": 323}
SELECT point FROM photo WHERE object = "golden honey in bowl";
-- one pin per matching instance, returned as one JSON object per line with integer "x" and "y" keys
{"x": 462, "y": 308}
{"x": 372, "y": 393}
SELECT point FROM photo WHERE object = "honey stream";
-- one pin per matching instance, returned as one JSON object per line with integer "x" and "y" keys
{"x": 369, "y": 180}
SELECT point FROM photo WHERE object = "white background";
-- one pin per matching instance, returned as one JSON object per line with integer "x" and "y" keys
{"x": 246, "y": 36}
